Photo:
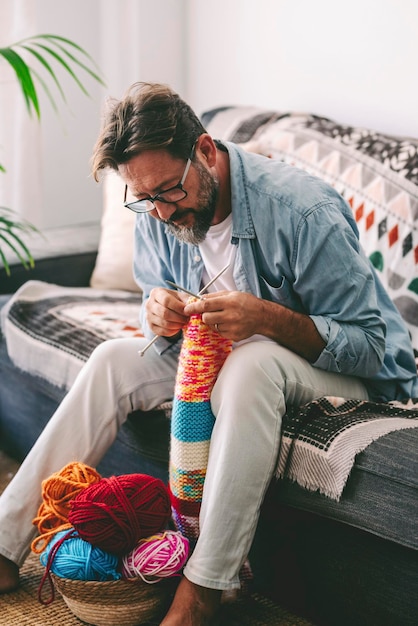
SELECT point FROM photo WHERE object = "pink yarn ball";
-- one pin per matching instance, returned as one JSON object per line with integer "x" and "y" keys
{"x": 159, "y": 556}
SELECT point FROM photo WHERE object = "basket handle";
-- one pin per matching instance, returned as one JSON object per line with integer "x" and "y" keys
{"x": 47, "y": 574}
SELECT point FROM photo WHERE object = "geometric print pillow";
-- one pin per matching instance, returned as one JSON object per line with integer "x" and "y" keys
{"x": 377, "y": 175}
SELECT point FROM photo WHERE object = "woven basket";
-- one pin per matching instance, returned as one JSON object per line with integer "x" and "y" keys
{"x": 117, "y": 602}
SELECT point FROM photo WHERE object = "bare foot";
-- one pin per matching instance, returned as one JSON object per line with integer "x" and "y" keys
{"x": 9, "y": 575}
{"x": 193, "y": 605}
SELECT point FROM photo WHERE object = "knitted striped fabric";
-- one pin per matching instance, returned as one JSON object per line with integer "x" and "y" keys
{"x": 201, "y": 357}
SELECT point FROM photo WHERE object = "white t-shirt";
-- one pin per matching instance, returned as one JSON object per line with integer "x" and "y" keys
{"x": 216, "y": 251}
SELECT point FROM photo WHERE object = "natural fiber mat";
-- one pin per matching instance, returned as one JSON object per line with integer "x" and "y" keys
{"x": 22, "y": 608}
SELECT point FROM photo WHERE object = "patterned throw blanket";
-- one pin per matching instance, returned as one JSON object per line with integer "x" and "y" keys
{"x": 50, "y": 332}
{"x": 321, "y": 439}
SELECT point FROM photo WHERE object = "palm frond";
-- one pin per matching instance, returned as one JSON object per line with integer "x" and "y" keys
{"x": 47, "y": 91}
{"x": 24, "y": 77}
{"x": 48, "y": 68}
{"x": 9, "y": 237}
{"x": 64, "y": 64}
{"x": 77, "y": 61}
{"x": 69, "y": 57}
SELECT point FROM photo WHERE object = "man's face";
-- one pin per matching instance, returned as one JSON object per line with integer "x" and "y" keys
{"x": 153, "y": 171}
{"x": 203, "y": 212}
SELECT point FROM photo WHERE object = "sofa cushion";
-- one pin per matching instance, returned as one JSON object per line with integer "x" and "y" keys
{"x": 114, "y": 264}
{"x": 380, "y": 495}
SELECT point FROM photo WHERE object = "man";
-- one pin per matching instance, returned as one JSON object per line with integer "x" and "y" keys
{"x": 301, "y": 302}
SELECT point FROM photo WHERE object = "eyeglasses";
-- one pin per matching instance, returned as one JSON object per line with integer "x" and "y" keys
{"x": 168, "y": 196}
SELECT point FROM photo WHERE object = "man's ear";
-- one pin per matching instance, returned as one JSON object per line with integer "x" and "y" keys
{"x": 206, "y": 148}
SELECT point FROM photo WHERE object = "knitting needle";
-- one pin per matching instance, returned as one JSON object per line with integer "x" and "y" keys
{"x": 151, "y": 343}
{"x": 206, "y": 287}
{"x": 169, "y": 282}
{"x": 154, "y": 339}
{"x": 199, "y": 295}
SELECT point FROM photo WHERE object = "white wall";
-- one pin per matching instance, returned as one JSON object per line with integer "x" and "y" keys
{"x": 123, "y": 36}
{"x": 355, "y": 61}
{"x": 352, "y": 61}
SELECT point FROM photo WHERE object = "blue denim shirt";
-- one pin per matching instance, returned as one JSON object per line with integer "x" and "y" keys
{"x": 297, "y": 245}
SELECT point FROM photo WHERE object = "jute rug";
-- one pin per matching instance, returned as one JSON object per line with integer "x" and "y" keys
{"x": 22, "y": 607}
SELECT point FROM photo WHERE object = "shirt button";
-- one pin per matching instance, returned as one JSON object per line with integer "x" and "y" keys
{"x": 197, "y": 258}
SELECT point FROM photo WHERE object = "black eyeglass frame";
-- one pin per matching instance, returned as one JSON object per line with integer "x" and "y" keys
{"x": 134, "y": 205}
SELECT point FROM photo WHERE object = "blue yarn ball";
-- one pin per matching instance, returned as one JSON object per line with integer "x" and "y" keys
{"x": 77, "y": 559}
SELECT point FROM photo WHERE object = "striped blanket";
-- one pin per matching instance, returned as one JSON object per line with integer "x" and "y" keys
{"x": 320, "y": 440}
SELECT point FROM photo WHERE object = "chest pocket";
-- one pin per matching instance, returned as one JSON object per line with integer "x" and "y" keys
{"x": 281, "y": 292}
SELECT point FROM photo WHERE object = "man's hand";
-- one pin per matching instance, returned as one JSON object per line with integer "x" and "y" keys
{"x": 234, "y": 314}
{"x": 237, "y": 316}
{"x": 165, "y": 311}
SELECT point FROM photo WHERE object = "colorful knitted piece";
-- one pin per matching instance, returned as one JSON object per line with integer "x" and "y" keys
{"x": 201, "y": 357}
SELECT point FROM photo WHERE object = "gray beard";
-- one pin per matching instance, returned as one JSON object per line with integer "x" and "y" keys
{"x": 208, "y": 195}
{"x": 193, "y": 235}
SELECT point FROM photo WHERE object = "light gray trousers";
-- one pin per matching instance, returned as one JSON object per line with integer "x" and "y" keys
{"x": 256, "y": 383}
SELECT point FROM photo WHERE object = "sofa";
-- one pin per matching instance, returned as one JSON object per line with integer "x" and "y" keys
{"x": 339, "y": 552}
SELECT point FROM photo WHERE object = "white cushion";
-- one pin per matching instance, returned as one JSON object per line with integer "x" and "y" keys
{"x": 113, "y": 269}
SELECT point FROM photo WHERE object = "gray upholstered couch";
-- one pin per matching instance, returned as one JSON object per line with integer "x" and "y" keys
{"x": 351, "y": 561}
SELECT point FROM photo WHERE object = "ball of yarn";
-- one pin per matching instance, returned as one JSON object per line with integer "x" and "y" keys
{"x": 115, "y": 513}
{"x": 78, "y": 560}
{"x": 158, "y": 556}
{"x": 57, "y": 492}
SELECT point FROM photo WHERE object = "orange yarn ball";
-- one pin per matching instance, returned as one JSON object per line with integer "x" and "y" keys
{"x": 57, "y": 492}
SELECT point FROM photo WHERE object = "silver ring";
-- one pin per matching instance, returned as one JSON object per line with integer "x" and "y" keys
{"x": 217, "y": 328}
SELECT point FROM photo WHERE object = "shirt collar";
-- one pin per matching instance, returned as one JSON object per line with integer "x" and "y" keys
{"x": 242, "y": 223}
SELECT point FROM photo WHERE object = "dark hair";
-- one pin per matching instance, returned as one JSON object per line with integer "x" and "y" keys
{"x": 151, "y": 116}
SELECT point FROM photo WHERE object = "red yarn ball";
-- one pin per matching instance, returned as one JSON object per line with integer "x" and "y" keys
{"x": 115, "y": 513}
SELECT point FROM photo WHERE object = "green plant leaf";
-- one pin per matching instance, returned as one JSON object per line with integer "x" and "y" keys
{"x": 18, "y": 224}
{"x": 82, "y": 65}
{"x": 9, "y": 238}
{"x": 48, "y": 68}
{"x": 5, "y": 263}
{"x": 24, "y": 77}
{"x": 9, "y": 242}
{"x": 65, "y": 65}
{"x": 58, "y": 41}
{"x": 42, "y": 47}
{"x": 47, "y": 90}
{"x": 69, "y": 42}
